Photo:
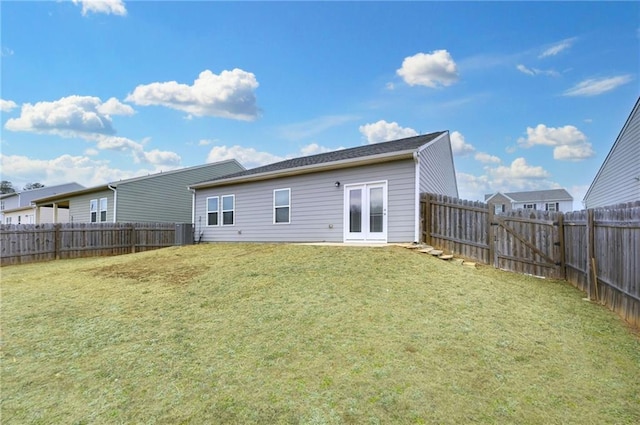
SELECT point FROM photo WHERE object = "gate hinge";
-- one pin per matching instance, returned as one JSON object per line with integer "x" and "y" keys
{"x": 556, "y": 243}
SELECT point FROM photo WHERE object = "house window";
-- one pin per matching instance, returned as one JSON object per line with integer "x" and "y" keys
{"x": 93, "y": 211}
{"x": 529, "y": 206}
{"x": 213, "y": 208}
{"x": 228, "y": 207}
{"x": 281, "y": 205}
{"x": 498, "y": 208}
{"x": 8, "y": 220}
{"x": 552, "y": 206}
{"x": 103, "y": 209}
{"x": 19, "y": 219}
{"x": 1, "y": 205}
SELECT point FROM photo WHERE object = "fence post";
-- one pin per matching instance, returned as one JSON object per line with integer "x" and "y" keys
{"x": 427, "y": 219}
{"x": 491, "y": 236}
{"x": 133, "y": 238}
{"x": 563, "y": 266}
{"x": 56, "y": 240}
{"x": 591, "y": 282}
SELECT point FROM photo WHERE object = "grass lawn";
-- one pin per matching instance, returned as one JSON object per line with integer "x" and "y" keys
{"x": 268, "y": 334}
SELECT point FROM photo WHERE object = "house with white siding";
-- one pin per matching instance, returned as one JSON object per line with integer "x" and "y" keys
{"x": 364, "y": 194}
{"x": 618, "y": 180}
{"x": 159, "y": 198}
{"x": 541, "y": 200}
{"x": 18, "y": 207}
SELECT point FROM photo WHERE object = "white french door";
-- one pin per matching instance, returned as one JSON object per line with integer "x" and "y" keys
{"x": 365, "y": 212}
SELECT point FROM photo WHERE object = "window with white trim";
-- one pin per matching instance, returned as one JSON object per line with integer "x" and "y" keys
{"x": 498, "y": 208}
{"x": 103, "y": 209}
{"x": 7, "y": 220}
{"x": 213, "y": 210}
{"x": 228, "y": 210}
{"x": 1, "y": 205}
{"x": 93, "y": 211}
{"x": 529, "y": 206}
{"x": 282, "y": 206}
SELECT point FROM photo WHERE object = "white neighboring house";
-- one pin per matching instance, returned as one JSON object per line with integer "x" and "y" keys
{"x": 541, "y": 200}
{"x": 18, "y": 208}
{"x": 618, "y": 180}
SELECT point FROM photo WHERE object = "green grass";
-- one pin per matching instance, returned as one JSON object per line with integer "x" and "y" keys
{"x": 267, "y": 334}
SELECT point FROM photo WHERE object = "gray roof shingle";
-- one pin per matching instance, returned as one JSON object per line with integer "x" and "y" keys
{"x": 410, "y": 143}
{"x": 537, "y": 195}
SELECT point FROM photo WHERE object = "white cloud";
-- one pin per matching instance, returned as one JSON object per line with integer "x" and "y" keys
{"x": 459, "y": 146}
{"x": 314, "y": 148}
{"x": 596, "y": 86}
{"x": 569, "y": 143}
{"x": 7, "y": 105}
{"x": 63, "y": 169}
{"x": 72, "y": 116}
{"x": 115, "y": 7}
{"x": 249, "y": 157}
{"x": 5, "y": 52}
{"x": 534, "y": 71}
{"x": 557, "y": 48}
{"x": 166, "y": 159}
{"x": 228, "y": 95}
{"x": 429, "y": 69}
{"x": 485, "y": 158}
{"x": 114, "y": 107}
{"x": 204, "y": 142}
{"x": 310, "y": 128}
{"x": 518, "y": 170}
{"x": 383, "y": 131}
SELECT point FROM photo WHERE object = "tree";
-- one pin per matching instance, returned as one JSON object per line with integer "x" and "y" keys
{"x": 30, "y": 186}
{"x": 6, "y": 187}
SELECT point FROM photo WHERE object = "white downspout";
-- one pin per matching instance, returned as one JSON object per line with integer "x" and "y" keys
{"x": 416, "y": 236}
{"x": 193, "y": 206}
{"x": 115, "y": 201}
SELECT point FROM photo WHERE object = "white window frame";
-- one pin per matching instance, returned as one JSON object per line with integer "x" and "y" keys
{"x": 530, "y": 207}
{"x": 7, "y": 220}
{"x": 103, "y": 209}
{"x": 232, "y": 210}
{"x": 552, "y": 206}
{"x": 217, "y": 211}
{"x": 276, "y": 207}
{"x": 93, "y": 209}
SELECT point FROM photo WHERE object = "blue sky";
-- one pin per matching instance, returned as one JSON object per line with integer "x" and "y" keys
{"x": 533, "y": 94}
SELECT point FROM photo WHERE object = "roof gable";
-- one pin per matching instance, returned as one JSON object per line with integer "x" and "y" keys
{"x": 333, "y": 157}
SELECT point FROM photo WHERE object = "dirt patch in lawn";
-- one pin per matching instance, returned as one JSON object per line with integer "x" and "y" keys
{"x": 171, "y": 272}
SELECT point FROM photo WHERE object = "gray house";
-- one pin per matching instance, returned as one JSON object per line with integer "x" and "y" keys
{"x": 158, "y": 198}
{"x": 364, "y": 194}
{"x": 542, "y": 200}
{"x": 18, "y": 208}
{"x": 618, "y": 180}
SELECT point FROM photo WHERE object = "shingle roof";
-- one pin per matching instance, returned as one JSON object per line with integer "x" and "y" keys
{"x": 407, "y": 144}
{"x": 538, "y": 195}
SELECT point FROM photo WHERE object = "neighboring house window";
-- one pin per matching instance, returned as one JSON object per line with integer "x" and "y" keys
{"x": 281, "y": 205}
{"x": 213, "y": 208}
{"x": 1, "y": 205}
{"x": 103, "y": 209}
{"x": 529, "y": 206}
{"x": 228, "y": 207}
{"x": 93, "y": 210}
{"x": 552, "y": 206}
{"x": 19, "y": 219}
{"x": 498, "y": 208}
{"x": 8, "y": 220}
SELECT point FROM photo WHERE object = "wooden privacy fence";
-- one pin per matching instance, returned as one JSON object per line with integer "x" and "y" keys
{"x": 598, "y": 250}
{"x": 26, "y": 243}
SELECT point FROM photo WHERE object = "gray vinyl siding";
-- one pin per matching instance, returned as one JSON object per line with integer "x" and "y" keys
{"x": 316, "y": 206}
{"x": 79, "y": 206}
{"x": 165, "y": 197}
{"x": 617, "y": 181}
{"x": 437, "y": 173}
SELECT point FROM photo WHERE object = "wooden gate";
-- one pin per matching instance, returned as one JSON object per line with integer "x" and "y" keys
{"x": 528, "y": 242}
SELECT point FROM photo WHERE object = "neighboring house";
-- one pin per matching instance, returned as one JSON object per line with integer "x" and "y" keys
{"x": 18, "y": 208}
{"x": 364, "y": 194}
{"x": 618, "y": 180}
{"x": 543, "y": 200}
{"x": 159, "y": 198}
